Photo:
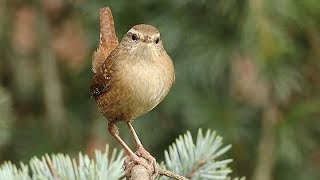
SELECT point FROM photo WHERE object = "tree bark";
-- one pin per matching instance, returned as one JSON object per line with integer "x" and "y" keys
{"x": 138, "y": 172}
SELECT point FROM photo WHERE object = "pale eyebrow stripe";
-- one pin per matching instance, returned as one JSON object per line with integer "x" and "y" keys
{"x": 156, "y": 35}
{"x": 133, "y": 31}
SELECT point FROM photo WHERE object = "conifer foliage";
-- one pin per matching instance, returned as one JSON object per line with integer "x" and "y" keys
{"x": 197, "y": 160}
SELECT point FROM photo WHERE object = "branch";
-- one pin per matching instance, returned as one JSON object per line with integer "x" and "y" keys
{"x": 170, "y": 174}
{"x": 108, "y": 164}
{"x": 139, "y": 172}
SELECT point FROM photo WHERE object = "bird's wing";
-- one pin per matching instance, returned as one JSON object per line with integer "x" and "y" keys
{"x": 99, "y": 85}
{"x": 102, "y": 80}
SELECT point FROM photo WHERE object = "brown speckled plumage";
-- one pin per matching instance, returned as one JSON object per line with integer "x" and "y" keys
{"x": 130, "y": 79}
{"x": 135, "y": 77}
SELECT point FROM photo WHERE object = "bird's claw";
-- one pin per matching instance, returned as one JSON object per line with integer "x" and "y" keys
{"x": 131, "y": 161}
{"x": 141, "y": 152}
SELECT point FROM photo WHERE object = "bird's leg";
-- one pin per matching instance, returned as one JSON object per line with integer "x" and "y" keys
{"x": 135, "y": 136}
{"x": 113, "y": 129}
{"x": 140, "y": 149}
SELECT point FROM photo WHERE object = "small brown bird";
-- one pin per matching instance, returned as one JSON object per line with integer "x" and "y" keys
{"x": 132, "y": 80}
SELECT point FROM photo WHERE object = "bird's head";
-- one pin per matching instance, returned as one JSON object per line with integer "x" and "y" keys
{"x": 143, "y": 39}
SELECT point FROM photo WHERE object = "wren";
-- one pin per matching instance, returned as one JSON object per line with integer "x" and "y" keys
{"x": 131, "y": 80}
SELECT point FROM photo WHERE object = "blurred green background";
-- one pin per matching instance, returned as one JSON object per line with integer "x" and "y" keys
{"x": 249, "y": 69}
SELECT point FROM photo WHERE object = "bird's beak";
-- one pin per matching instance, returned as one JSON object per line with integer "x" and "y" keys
{"x": 147, "y": 39}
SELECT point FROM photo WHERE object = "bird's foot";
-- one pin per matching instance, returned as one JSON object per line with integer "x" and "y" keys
{"x": 131, "y": 161}
{"x": 141, "y": 152}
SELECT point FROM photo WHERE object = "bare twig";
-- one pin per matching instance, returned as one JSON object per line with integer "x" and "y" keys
{"x": 139, "y": 172}
{"x": 170, "y": 174}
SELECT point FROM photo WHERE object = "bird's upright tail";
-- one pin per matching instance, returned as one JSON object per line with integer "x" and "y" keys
{"x": 108, "y": 38}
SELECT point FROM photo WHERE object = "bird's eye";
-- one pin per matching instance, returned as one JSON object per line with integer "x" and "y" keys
{"x": 134, "y": 37}
{"x": 157, "y": 40}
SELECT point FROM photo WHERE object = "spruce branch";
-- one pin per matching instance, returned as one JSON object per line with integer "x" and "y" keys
{"x": 198, "y": 160}
{"x": 170, "y": 174}
{"x": 192, "y": 160}
{"x": 135, "y": 171}
{"x": 61, "y": 166}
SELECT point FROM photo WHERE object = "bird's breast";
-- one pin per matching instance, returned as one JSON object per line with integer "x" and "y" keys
{"x": 148, "y": 81}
